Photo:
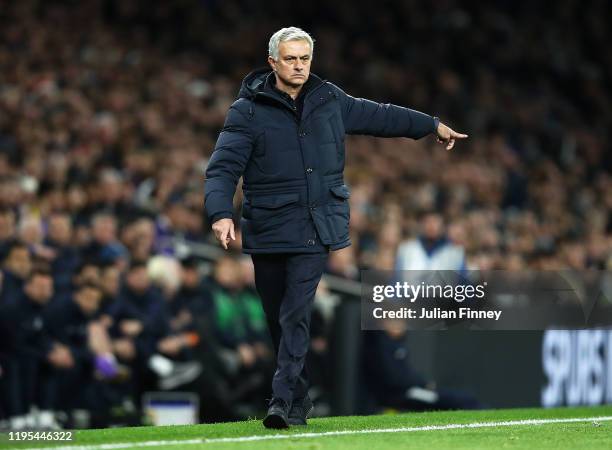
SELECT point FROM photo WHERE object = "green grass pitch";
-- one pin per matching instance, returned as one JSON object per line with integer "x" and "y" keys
{"x": 489, "y": 429}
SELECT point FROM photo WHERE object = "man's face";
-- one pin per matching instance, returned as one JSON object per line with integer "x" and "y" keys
{"x": 88, "y": 273}
{"x": 88, "y": 298}
{"x": 190, "y": 277}
{"x": 104, "y": 229}
{"x": 60, "y": 229}
{"x": 293, "y": 64}
{"x": 40, "y": 288}
{"x": 7, "y": 225}
{"x": 19, "y": 262}
{"x": 110, "y": 280}
{"x": 433, "y": 226}
{"x": 227, "y": 273}
{"x": 138, "y": 279}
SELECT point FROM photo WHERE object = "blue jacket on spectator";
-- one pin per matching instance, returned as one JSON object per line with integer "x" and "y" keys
{"x": 28, "y": 327}
{"x": 11, "y": 288}
{"x": 63, "y": 268}
{"x": 148, "y": 308}
{"x": 68, "y": 325}
{"x": 292, "y": 163}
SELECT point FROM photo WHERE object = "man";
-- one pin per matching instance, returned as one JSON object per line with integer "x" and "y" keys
{"x": 285, "y": 135}
{"x": 66, "y": 259}
{"x": 391, "y": 380}
{"x": 142, "y": 333}
{"x": 74, "y": 323}
{"x": 16, "y": 267}
{"x": 431, "y": 258}
{"x": 431, "y": 250}
{"x": 35, "y": 357}
{"x": 195, "y": 297}
{"x": 7, "y": 229}
{"x": 105, "y": 246}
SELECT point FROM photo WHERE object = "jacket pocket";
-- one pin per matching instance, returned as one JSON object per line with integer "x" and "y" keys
{"x": 273, "y": 221}
{"x": 269, "y": 207}
{"x": 338, "y": 213}
{"x": 342, "y": 192}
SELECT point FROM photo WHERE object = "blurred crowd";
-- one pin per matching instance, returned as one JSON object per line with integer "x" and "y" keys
{"x": 110, "y": 109}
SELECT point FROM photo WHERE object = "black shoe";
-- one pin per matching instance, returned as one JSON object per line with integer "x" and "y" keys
{"x": 301, "y": 410}
{"x": 277, "y": 414}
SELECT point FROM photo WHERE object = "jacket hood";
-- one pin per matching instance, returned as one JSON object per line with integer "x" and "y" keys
{"x": 254, "y": 82}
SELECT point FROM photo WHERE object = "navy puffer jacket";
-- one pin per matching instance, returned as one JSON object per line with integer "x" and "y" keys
{"x": 295, "y": 199}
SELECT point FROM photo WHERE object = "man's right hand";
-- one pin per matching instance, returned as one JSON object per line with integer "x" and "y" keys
{"x": 124, "y": 348}
{"x": 224, "y": 231}
{"x": 447, "y": 136}
{"x": 61, "y": 357}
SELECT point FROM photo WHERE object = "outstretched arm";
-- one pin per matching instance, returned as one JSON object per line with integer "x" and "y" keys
{"x": 362, "y": 116}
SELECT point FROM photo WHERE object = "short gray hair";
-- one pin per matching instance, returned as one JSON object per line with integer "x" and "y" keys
{"x": 288, "y": 34}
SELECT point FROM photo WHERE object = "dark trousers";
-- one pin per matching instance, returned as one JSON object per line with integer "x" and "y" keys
{"x": 27, "y": 380}
{"x": 287, "y": 284}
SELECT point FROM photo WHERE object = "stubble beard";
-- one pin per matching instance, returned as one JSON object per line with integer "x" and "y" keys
{"x": 289, "y": 83}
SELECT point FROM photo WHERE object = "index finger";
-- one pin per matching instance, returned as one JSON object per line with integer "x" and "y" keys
{"x": 459, "y": 135}
{"x": 223, "y": 238}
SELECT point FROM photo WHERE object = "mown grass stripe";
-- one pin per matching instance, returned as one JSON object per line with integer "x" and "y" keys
{"x": 455, "y": 426}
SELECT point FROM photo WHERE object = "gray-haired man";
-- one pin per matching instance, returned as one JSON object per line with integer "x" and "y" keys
{"x": 285, "y": 135}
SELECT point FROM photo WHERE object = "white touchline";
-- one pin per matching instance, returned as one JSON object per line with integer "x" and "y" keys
{"x": 269, "y": 437}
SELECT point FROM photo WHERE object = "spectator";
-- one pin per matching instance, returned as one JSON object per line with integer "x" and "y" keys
{"x": 105, "y": 246}
{"x": 393, "y": 382}
{"x": 65, "y": 260}
{"x": 239, "y": 324}
{"x": 74, "y": 324}
{"x": 110, "y": 282}
{"x": 7, "y": 230}
{"x": 142, "y": 335}
{"x": 31, "y": 370}
{"x": 195, "y": 296}
{"x": 139, "y": 238}
{"x": 15, "y": 269}
{"x": 431, "y": 250}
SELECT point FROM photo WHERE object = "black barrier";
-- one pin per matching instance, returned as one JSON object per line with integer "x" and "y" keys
{"x": 502, "y": 369}
{"x": 508, "y": 369}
